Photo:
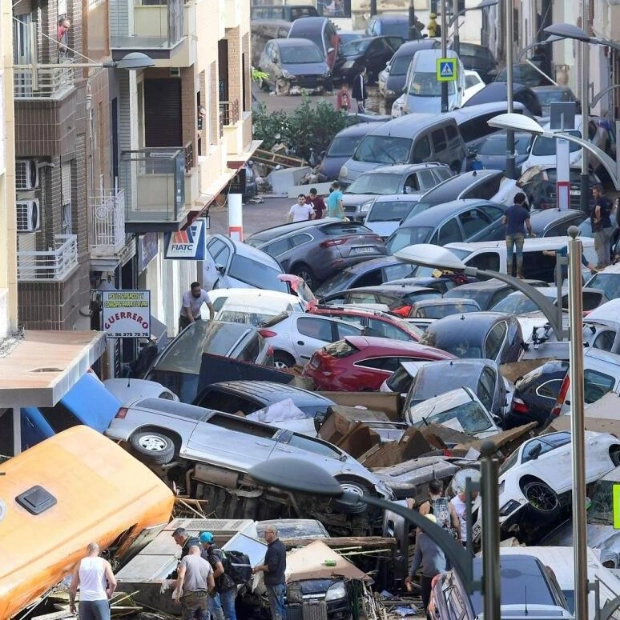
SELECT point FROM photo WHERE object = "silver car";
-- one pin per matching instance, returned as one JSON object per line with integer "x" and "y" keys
{"x": 221, "y": 448}
{"x": 294, "y": 337}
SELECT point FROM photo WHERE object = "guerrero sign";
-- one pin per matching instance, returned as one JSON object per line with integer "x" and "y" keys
{"x": 126, "y": 314}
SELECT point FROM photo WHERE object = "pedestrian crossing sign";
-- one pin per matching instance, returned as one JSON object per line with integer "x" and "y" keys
{"x": 446, "y": 69}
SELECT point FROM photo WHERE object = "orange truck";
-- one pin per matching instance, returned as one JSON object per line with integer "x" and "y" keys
{"x": 72, "y": 489}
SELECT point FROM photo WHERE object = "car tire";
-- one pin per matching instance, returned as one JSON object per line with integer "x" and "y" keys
{"x": 614, "y": 455}
{"x": 354, "y": 485}
{"x": 541, "y": 496}
{"x": 152, "y": 447}
{"x": 282, "y": 360}
{"x": 304, "y": 272}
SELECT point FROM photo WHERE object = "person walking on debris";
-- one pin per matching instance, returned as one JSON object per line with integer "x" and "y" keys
{"x": 194, "y": 584}
{"x": 300, "y": 211}
{"x": 317, "y": 202}
{"x": 600, "y": 218}
{"x": 334, "y": 202}
{"x": 192, "y": 302}
{"x": 184, "y": 540}
{"x": 430, "y": 558}
{"x": 225, "y": 586}
{"x": 358, "y": 91}
{"x": 440, "y": 507}
{"x": 95, "y": 579}
{"x": 273, "y": 569}
{"x": 516, "y": 219}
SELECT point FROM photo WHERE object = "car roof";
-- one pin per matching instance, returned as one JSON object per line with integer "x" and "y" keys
{"x": 440, "y": 212}
{"x": 403, "y": 168}
{"x": 409, "y": 48}
{"x": 397, "y": 198}
{"x": 389, "y": 344}
{"x": 404, "y": 125}
{"x": 271, "y": 391}
{"x": 386, "y": 288}
{"x": 359, "y": 129}
{"x": 494, "y": 89}
{"x": 440, "y": 301}
{"x": 243, "y": 249}
{"x": 468, "y": 112}
{"x": 309, "y": 23}
{"x": 551, "y": 87}
{"x": 373, "y": 263}
{"x": 477, "y": 322}
{"x": 458, "y": 184}
{"x": 544, "y": 217}
{"x": 269, "y": 234}
{"x": 293, "y": 42}
{"x": 536, "y": 243}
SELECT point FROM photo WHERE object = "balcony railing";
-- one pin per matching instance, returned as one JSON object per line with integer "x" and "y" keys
{"x": 229, "y": 114}
{"x": 155, "y": 24}
{"x": 42, "y": 82}
{"x": 107, "y": 224}
{"x": 52, "y": 266}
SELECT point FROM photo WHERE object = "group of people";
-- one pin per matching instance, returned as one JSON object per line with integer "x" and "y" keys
{"x": 203, "y": 587}
{"x": 517, "y": 222}
{"x": 314, "y": 207}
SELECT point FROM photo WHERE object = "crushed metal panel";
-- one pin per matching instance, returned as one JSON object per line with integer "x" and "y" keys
{"x": 309, "y": 563}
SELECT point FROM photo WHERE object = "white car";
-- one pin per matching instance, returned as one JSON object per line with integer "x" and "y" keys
{"x": 251, "y": 305}
{"x": 473, "y": 84}
{"x": 543, "y": 150}
{"x": 128, "y": 390}
{"x": 536, "y": 480}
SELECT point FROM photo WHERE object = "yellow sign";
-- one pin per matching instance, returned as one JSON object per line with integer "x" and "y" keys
{"x": 446, "y": 69}
{"x": 616, "y": 506}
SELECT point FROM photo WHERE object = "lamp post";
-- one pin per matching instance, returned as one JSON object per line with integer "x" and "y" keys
{"x": 444, "y": 51}
{"x": 131, "y": 62}
{"x": 510, "y": 135}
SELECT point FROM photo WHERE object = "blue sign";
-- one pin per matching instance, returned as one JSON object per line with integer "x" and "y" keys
{"x": 446, "y": 69}
{"x": 187, "y": 244}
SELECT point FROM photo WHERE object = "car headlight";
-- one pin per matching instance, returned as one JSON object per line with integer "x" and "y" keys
{"x": 349, "y": 64}
{"x": 344, "y": 173}
{"x": 508, "y": 508}
{"x": 366, "y": 207}
{"x": 287, "y": 75}
{"x": 335, "y": 592}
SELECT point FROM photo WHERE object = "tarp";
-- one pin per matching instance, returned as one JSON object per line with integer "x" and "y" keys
{"x": 309, "y": 563}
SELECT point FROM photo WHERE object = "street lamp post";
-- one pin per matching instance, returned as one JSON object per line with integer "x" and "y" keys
{"x": 444, "y": 51}
{"x": 510, "y": 135}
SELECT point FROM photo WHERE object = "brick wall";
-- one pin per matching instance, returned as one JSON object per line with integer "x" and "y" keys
{"x": 235, "y": 75}
{"x": 189, "y": 109}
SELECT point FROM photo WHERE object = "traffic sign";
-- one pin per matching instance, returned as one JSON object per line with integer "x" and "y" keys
{"x": 446, "y": 69}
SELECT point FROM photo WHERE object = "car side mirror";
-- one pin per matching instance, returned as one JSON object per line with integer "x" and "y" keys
{"x": 220, "y": 268}
{"x": 535, "y": 453}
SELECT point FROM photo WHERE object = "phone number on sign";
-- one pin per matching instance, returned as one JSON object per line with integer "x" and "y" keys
{"x": 127, "y": 335}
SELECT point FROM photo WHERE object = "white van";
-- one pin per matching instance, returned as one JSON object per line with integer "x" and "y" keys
{"x": 423, "y": 90}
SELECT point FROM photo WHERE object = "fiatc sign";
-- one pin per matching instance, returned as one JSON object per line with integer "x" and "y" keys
{"x": 188, "y": 244}
{"x": 126, "y": 314}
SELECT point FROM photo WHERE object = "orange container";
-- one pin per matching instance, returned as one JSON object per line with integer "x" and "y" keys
{"x": 102, "y": 495}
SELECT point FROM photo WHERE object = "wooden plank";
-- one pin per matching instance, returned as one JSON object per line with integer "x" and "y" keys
{"x": 361, "y": 542}
{"x": 56, "y": 615}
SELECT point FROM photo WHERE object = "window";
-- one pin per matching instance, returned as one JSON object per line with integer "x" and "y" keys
{"x": 426, "y": 179}
{"x": 596, "y": 385}
{"x": 485, "y": 190}
{"x": 344, "y": 329}
{"x": 452, "y": 133}
{"x": 493, "y": 213}
{"x": 389, "y": 364}
{"x": 549, "y": 389}
{"x": 473, "y": 222}
{"x": 449, "y": 232}
{"x": 411, "y": 184}
{"x": 228, "y": 403}
{"x": 439, "y": 140}
{"x": 559, "y": 230}
{"x": 382, "y": 329}
{"x": 485, "y": 260}
{"x": 254, "y": 273}
{"x": 421, "y": 150}
{"x": 362, "y": 298}
{"x": 278, "y": 247}
{"x": 383, "y": 150}
{"x": 495, "y": 339}
{"x": 605, "y": 340}
{"x": 372, "y": 278}
{"x": 394, "y": 272}
{"x": 486, "y": 387}
{"x": 442, "y": 173}
{"x": 66, "y": 225}
{"x": 319, "y": 329}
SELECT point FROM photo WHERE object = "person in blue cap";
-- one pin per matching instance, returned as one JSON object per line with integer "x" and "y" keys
{"x": 222, "y": 605}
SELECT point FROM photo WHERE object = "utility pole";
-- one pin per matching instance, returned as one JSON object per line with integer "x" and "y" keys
{"x": 373, "y": 7}
{"x": 585, "y": 113}
{"x": 444, "y": 53}
{"x": 510, "y": 135}
{"x": 456, "y": 39}
{"x": 412, "y": 21}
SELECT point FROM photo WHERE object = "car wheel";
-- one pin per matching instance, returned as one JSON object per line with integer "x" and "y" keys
{"x": 614, "y": 455}
{"x": 152, "y": 446}
{"x": 282, "y": 360}
{"x": 541, "y": 496}
{"x": 357, "y": 486}
{"x": 305, "y": 273}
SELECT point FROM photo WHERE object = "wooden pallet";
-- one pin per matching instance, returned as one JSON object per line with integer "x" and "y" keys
{"x": 267, "y": 158}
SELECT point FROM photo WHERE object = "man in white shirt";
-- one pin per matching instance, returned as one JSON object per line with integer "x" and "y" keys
{"x": 94, "y": 576}
{"x": 460, "y": 507}
{"x": 192, "y": 302}
{"x": 300, "y": 212}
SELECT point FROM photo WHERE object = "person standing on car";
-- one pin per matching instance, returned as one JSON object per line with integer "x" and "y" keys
{"x": 300, "y": 211}
{"x": 600, "y": 218}
{"x": 335, "y": 207}
{"x": 192, "y": 302}
{"x": 516, "y": 219}
{"x": 273, "y": 569}
{"x": 358, "y": 92}
{"x": 317, "y": 202}
{"x": 194, "y": 583}
{"x": 94, "y": 576}
{"x": 225, "y": 586}
{"x": 430, "y": 558}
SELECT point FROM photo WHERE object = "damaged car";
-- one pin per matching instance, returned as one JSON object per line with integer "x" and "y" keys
{"x": 535, "y": 482}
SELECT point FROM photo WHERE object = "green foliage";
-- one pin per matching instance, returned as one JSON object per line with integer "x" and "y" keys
{"x": 258, "y": 75}
{"x": 308, "y": 127}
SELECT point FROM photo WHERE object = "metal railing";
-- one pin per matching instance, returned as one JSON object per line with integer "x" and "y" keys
{"x": 107, "y": 223}
{"x": 229, "y": 114}
{"x": 189, "y": 157}
{"x": 54, "y": 265}
{"x": 42, "y": 82}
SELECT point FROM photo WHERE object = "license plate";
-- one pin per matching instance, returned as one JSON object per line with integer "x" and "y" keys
{"x": 575, "y": 192}
{"x": 363, "y": 250}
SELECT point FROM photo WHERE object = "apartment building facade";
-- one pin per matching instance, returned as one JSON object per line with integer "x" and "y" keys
{"x": 109, "y": 159}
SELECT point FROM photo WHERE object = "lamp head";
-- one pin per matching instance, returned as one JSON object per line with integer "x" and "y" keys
{"x": 568, "y": 31}
{"x": 134, "y": 61}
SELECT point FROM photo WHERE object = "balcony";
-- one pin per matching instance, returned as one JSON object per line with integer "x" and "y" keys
{"x": 107, "y": 236}
{"x": 229, "y": 115}
{"x": 157, "y": 178}
{"x": 42, "y": 82}
{"x": 155, "y": 28}
{"x": 55, "y": 265}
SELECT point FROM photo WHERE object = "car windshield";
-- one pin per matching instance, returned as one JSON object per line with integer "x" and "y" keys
{"x": 468, "y": 417}
{"x": 390, "y": 211}
{"x": 609, "y": 283}
{"x": 353, "y": 48}
{"x": 400, "y": 381}
{"x": 545, "y": 147}
{"x": 383, "y": 150}
{"x": 408, "y": 236}
{"x": 515, "y": 303}
{"x": 547, "y": 97}
{"x": 430, "y": 383}
{"x": 495, "y": 144}
{"x": 400, "y": 64}
{"x": 343, "y": 146}
{"x": 383, "y": 183}
{"x": 302, "y": 55}
{"x": 509, "y": 462}
{"x": 423, "y": 84}
{"x": 340, "y": 282}
{"x": 601, "y": 510}
{"x": 256, "y": 274}
{"x": 438, "y": 311}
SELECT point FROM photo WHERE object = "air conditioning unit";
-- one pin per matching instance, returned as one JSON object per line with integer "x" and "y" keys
{"x": 26, "y": 174}
{"x": 28, "y": 215}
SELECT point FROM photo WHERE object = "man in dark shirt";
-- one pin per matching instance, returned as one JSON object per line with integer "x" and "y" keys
{"x": 222, "y": 603}
{"x": 601, "y": 225}
{"x": 516, "y": 219}
{"x": 317, "y": 202}
{"x": 184, "y": 540}
{"x": 274, "y": 567}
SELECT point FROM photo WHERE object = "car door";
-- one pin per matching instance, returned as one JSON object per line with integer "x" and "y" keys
{"x": 311, "y": 333}
{"x": 217, "y": 262}
{"x": 474, "y": 223}
{"x": 279, "y": 249}
{"x": 494, "y": 342}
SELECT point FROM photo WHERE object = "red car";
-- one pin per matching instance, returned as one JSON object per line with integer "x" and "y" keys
{"x": 362, "y": 364}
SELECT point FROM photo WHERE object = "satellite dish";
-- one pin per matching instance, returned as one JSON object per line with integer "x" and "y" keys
{"x": 458, "y": 482}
